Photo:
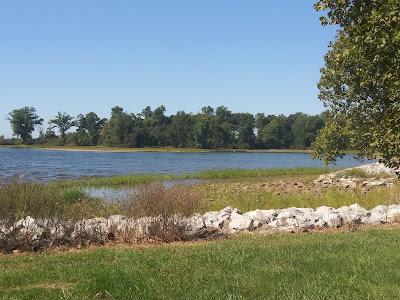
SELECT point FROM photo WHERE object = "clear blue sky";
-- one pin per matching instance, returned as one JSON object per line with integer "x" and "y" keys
{"x": 90, "y": 55}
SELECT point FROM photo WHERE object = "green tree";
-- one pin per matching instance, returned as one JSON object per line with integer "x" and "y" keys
{"x": 63, "y": 122}
{"x": 23, "y": 122}
{"x": 304, "y": 130}
{"x": 89, "y": 127}
{"x": 202, "y": 131}
{"x": 245, "y": 130}
{"x": 360, "y": 83}
{"x": 182, "y": 129}
{"x": 276, "y": 134}
{"x": 119, "y": 129}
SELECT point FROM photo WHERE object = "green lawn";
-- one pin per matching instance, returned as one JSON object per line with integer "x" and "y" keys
{"x": 352, "y": 265}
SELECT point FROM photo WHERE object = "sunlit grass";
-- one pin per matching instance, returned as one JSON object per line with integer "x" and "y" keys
{"x": 336, "y": 265}
{"x": 206, "y": 175}
{"x": 248, "y": 195}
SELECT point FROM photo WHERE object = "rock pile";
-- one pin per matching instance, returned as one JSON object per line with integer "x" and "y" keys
{"x": 39, "y": 233}
{"x": 381, "y": 176}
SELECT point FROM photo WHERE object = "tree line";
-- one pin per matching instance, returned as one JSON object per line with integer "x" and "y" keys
{"x": 209, "y": 129}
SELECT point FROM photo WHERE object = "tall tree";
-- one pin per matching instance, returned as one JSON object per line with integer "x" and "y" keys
{"x": 119, "y": 129}
{"x": 245, "y": 130}
{"x": 360, "y": 83}
{"x": 89, "y": 127}
{"x": 276, "y": 134}
{"x": 63, "y": 122}
{"x": 23, "y": 122}
{"x": 182, "y": 129}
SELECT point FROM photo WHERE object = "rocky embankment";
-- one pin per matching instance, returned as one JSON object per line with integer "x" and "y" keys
{"x": 30, "y": 234}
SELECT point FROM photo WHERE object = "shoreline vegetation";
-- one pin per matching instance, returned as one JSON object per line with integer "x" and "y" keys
{"x": 211, "y": 128}
{"x": 244, "y": 189}
{"x": 222, "y": 174}
{"x": 159, "y": 149}
{"x": 152, "y": 149}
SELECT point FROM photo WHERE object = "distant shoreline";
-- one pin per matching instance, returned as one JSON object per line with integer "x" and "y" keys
{"x": 161, "y": 149}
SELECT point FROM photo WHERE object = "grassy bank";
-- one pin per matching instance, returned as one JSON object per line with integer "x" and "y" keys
{"x": 18, "y": 200}
{"x": 350, "y": 265}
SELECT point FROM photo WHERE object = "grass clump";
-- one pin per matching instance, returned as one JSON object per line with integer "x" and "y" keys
{"x": 152, "y": 200}
{"x": 242, "y": 173}
{"x": 359, "y": 173}
{"x": 19, "y": 199}
{"x": 341, "y": 265}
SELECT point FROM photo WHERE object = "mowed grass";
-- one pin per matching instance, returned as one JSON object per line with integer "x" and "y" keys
{"x": 362, "y": 264}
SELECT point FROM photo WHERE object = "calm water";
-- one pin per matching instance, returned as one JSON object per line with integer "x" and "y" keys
{"x": 45, "y": 165}
{"x": 120, "y": 193}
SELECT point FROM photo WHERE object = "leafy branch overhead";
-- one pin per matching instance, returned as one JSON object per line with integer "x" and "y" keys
{"x": 360, "y": 82}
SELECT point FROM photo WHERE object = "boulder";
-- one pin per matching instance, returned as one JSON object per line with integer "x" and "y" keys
{"x": 211, "y": 219}
{"x": 28, "y": 229}
{"x": 95, "y": 229}
{"x": 393, "y": 214}
{"x": 194, "y": 225}
{"x": 261, "y": 216}
{"x": 375, "y": 218}
{"x": 240, "y": 222}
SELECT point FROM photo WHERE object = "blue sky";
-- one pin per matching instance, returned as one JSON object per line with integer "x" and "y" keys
{"x": 79, "y": 56}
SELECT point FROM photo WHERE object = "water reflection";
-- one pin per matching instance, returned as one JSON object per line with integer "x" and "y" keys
{"x": 115, "y": 194}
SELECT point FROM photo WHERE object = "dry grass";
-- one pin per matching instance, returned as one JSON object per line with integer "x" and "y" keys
{"x": 19, "y": 199}
{"x": 152, "y": 200}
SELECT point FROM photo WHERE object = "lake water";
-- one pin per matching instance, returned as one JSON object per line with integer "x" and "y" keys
{"x": 46, "y": 165}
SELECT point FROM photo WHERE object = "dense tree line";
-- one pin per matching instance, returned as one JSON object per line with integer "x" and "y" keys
{"x": 210, "y": 128}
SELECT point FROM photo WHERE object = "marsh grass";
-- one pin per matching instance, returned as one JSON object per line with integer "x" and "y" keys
{"x": 152, "y": 200}
{"x": 212, "y": 174}
{"x": 237, "y": 188}
{"x": 19, "y": 199}
{"x": 242, "y": 173}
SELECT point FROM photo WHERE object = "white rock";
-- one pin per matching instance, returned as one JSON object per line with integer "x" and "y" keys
{"x": 195, "y": 225}
{"x": 117, "y": 223}
{"x": 358, "y": 208}
{"x": 210, "y": 219}
{"x": 96, "y": 229}
{"x": 380, "y": 209}
{"x": 261, "y": 216}
{"x": 28, "y": 229}
{"x": 375, "y": 218}
{"x": 239, "y": 222}
{"x": 331, "y": 220}
{"x": 393, "y": 214}
{"x": 25, "y": 222}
